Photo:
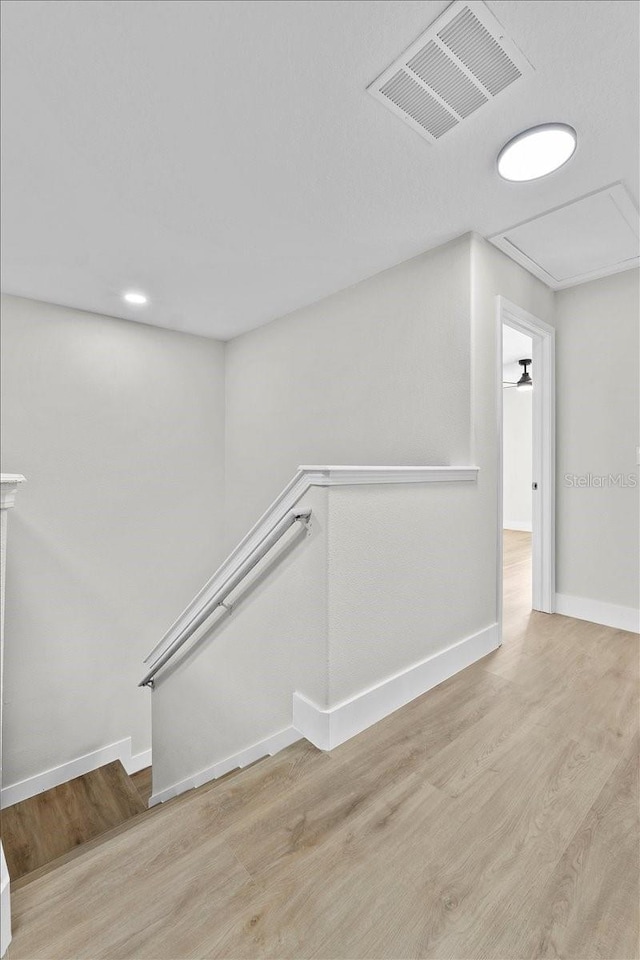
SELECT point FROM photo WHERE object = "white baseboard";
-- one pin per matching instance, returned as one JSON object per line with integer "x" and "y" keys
{"x": 596, "y": 611}
{"x": 264, "y": 748}
{"x": 121, "y": 750}
{"x": 523, "y": 526}
{"x": 327, "y": 728}
{"x": 139, "y": 761}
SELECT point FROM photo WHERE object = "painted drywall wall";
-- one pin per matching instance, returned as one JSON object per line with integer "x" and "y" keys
{"x": 408, "y": 571}
{"x": 233, "y": 687}
{"x": 398, "y": 369}
{"x": 403, "y": 564}
{"x": 517, "y": 408}
{"x": 119, "y": 429}
{"x": 379, "y": 584}
{"x": 597, "y": 435}
{"x": 375, "y": 374}
{"x": 380, "y": 373}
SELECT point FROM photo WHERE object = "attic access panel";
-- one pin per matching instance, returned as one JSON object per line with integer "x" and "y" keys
{"x": 461, "y": 62}
{"x": 593, "y": 236}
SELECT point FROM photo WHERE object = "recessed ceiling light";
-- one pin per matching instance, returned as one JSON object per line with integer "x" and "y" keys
{"x": 537, "y": 152}
{"x": 137, "y": 298}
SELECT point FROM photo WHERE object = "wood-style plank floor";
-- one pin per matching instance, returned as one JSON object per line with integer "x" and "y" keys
{"x": 49, "y": 825}
{"x": 494, "y": 817}
{"x": 142, "y": 783}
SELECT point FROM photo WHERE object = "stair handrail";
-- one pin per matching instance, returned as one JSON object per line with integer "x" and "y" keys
{"x": 234, "y": 579}
{"x": 286, "y": 501}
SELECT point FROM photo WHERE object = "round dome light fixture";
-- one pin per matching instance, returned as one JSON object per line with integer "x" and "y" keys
{"x": 537, "y": 152}
{"x": 136, "y": 298}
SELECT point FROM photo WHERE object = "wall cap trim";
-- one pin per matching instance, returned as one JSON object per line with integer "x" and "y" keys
{"x": 9, "y": 483}
{"x": 305, "y": 478}
{"x": 336, "y": 475}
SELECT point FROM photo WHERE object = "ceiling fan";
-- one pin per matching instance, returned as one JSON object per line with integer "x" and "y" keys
{"x": 525, "y": 382}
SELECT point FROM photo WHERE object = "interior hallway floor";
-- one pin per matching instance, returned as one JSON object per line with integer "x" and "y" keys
{"x": 496, "y": 816}
{"x": 53, "y": 824}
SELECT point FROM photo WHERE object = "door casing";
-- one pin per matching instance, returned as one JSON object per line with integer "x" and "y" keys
{"x": 543, "y": 523}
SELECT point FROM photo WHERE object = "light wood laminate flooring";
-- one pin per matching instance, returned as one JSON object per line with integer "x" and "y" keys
{"x": 49, "y": 825}
{"x": 494, "y": 817}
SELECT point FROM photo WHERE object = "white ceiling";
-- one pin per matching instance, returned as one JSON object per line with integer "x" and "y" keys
{"x": 226, "y": 159}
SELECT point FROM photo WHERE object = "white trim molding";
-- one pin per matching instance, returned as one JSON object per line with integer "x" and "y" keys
{"x": 305, "y": 477}
{"x": 328, "y": 727}
{"x": 5, "y": 905}
{"x": 543, "y": 525}
{"x": 345, "y": 475}
{"x": 9, "y": 483}
{"x": 597, "y": 611}
{"x": 31, "y": 786}
{"x": 264, "y": 748}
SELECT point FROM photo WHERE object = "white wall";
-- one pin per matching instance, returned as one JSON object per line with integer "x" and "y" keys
{"x": 375, "y": 374}
{"x": 399, "y": 369}
{"x": 404, "y": 565}
{"x": 380, "y": 373}
{"x": 597, "y": 434}
{"x": 385, "y": 579}
{"x": 119, "y": 429}
{"x": 235, "y": 687}
{"x": 517, "y": 408}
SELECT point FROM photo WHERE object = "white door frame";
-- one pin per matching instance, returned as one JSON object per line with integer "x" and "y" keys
{"x": 543, "y": 523}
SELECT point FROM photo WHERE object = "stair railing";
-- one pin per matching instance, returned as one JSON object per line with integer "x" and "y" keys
{"x": 233, "y": 579}
{"x": 278, "y": 517}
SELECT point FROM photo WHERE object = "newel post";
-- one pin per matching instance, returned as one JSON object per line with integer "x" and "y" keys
{"x": 9, "y": 483}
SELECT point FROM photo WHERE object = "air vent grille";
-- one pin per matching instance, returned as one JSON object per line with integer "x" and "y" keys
{"x": 479, "y": 51}
{"x": 441, "y": 74}
{"x": 409, "y": 96}
{"x": 459, "y": 64}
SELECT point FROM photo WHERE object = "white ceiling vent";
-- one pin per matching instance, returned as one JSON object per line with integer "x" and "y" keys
{"x": 459, "y": 63}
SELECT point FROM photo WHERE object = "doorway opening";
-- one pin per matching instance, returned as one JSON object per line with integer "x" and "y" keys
{"x": 517, "y": 468}
{"x": 526, "y": 469}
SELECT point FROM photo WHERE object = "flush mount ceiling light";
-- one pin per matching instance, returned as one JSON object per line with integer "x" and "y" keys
{"x": 525, "y": 382}
{"x": 136, "y": 298}
{"x": 537, "y": 152}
